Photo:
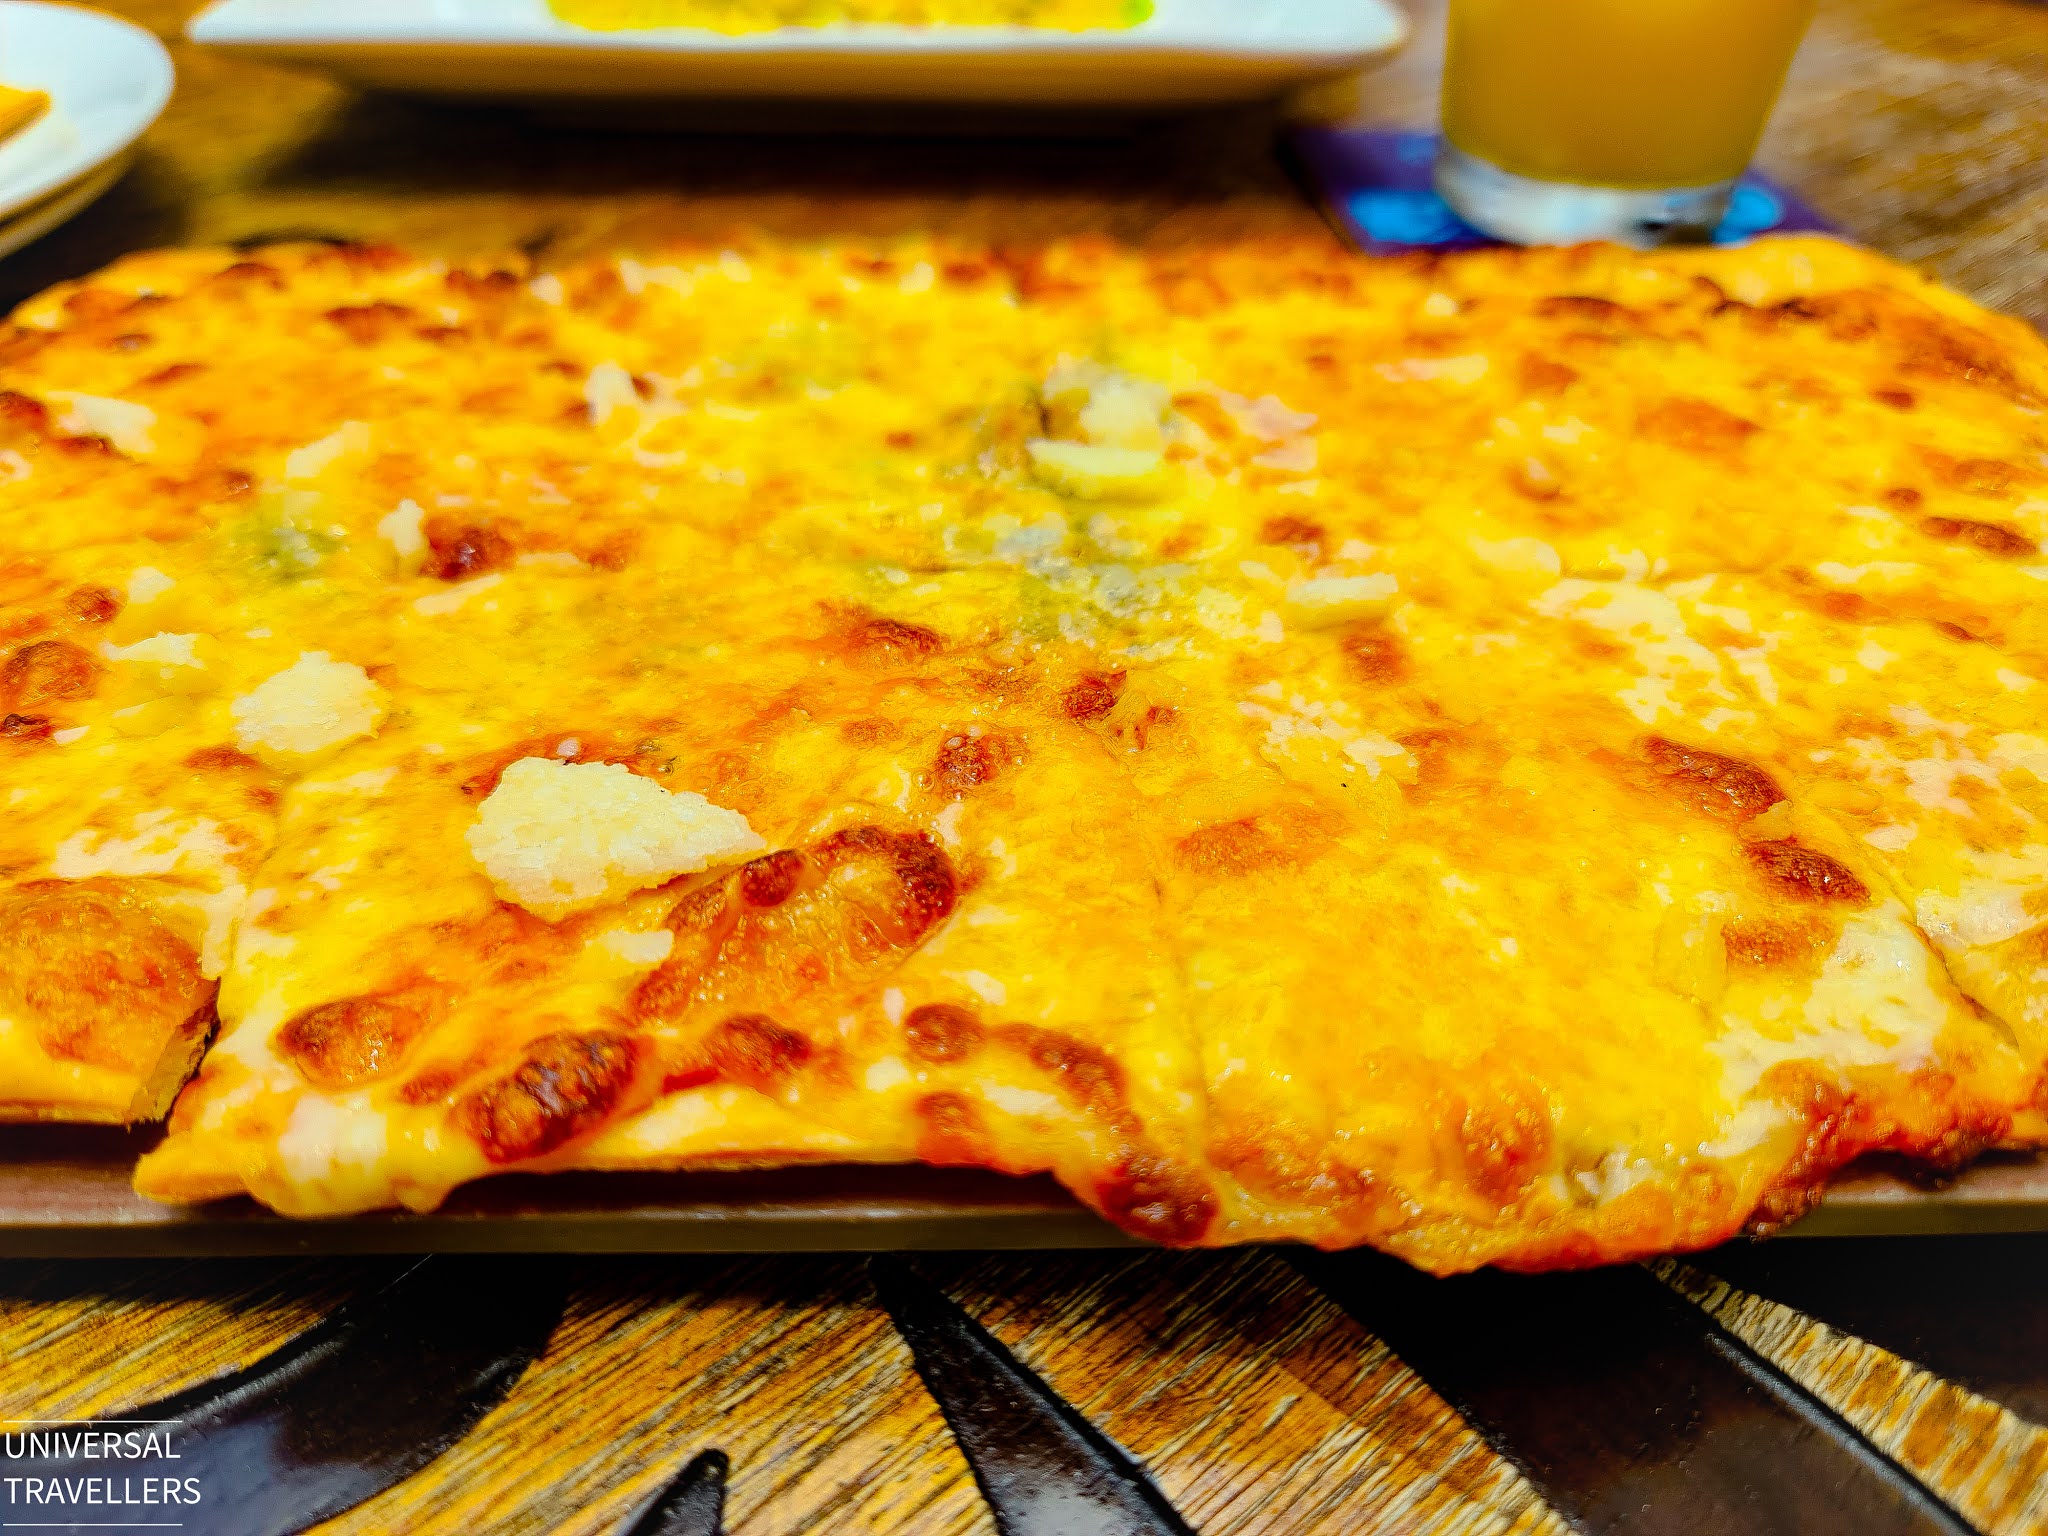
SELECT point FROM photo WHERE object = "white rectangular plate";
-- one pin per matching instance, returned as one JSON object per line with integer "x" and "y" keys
{"x": 1190, "y": 52}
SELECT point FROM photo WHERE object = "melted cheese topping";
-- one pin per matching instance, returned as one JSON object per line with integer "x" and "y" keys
{"x": 1278, "y": 740}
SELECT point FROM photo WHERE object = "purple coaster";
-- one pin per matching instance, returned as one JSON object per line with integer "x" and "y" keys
{"x": 1376, "y": 185}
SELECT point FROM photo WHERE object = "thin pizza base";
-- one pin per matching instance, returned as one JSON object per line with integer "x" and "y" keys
{"x": 1300, "y": 748}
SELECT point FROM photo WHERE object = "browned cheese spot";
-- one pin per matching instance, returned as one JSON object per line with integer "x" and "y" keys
{"x": 942, "y": 1032}
{"x": 101, "y": 980}
{"x": 48, "y": 671}
{"x": 1506, "y": 1142}
{"x": 1158, "y": 1198}
{"x": 1230, "y": 848}
{"x": 925, "y": 883}
{"x": 368, "y": 324}
{"x": 952, "y": 1132}
{"x": 1374, "y": 655}
{"x": 1093, "y": 695}
{"x": 352, "y": 1040}
{"x": 1292, "y": 531}
{"x": 1993, "y": 539}
{"x": 1694, "y": 426}
{"x": 772, "y": 879}
{"x": 456, "y": 553}
{"x": 567, "y": 1085}
{"x": 1083, "y": 1073}
{"x": 1975, "y": 477}
{"x": 1542, "y": 376}
{"x": 756, "y": 1050}
{"x": 1586, "y": 308}
{"x": 26, "y": 727}
{"x": 1897, "y": 399}
{"x": 1768, "y": 943}
{"x": 91, "y": 605}
{"x": 1807, "y": 873}
{"x": 872, "y": 637}
{"x": 964, "y": 763}
{"x": 854, "y": 900}
{"x": 1725, "y": 788}
{"x": 221, "y": 757}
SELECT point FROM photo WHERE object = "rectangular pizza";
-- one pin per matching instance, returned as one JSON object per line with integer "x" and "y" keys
{"x": 1527, "y": 758}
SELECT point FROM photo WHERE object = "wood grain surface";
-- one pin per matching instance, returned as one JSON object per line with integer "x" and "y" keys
{"x": 1239, "y": 1388}
{"x": 1250, "y": 1393}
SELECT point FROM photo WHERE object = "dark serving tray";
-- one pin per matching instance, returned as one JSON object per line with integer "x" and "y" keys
{"x": 64, "y": 1192}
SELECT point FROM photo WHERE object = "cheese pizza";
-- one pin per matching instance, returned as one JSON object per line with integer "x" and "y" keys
{"x": 1527, "y": 758}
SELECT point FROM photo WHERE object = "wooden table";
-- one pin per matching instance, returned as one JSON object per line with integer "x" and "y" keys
{"x": 1814, "y": 1387}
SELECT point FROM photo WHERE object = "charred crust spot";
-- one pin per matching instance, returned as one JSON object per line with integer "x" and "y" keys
{"x": 458, "y": 553}
{"x": 756, "y": 1050}
{"x": 91, "y": 605}
{"x": 102, "y": 980}
{"x": 772, "y": 879}
{"x": 353, "y": 1040}
{"x": 942, "y": 1032}
{"x": 1158, "y": 1199}
{"x": 1808, "y": 873}
{"x": 964, "y": 763}
{"x": 1291, "y": 531}
{"x": 1082, "y": 1073}
{"x": 1373, "y": 655}
{"x": 884, "y": 639}
{"x": 26, "y": 727}
{"x": 1993, "y": 539}
{"x": 368, "y": 324}
{"x": 1093, "y": 695}
{"x": 567, "y": 1085}
{"x": 1725, "y": 788}
{"x": 44, "y": 671}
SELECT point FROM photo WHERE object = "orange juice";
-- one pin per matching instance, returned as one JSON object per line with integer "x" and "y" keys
{"x": 1617, "y": 93}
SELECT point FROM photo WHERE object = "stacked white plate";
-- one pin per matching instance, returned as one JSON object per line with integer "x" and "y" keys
{"x": 107, "y": 81}
{"x": 1186, "y": 52}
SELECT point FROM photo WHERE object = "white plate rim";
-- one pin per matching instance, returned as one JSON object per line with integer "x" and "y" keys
{"x": 1321, "y": 31}
{"x": 114, "y": 138}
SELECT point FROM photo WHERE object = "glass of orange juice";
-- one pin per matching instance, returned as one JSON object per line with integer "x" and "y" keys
{"x": 1621, "y": 120}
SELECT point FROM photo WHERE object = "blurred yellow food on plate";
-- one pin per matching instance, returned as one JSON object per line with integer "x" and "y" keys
{"x": 766, "y": 15}
{"x": 19, "y": 108}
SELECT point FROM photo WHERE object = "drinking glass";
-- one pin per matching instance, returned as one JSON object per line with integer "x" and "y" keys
{"x": 1624, "y": 120}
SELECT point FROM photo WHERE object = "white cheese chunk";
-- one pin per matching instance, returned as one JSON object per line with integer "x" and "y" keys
{"x": 557, "y": 838}
{"x": 125, "y": 424}
{"x": 312, "y": 705}
{"x": 404, "y": 529}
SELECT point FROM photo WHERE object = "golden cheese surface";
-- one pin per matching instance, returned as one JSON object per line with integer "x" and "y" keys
{"x": 1526, "y": 758}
